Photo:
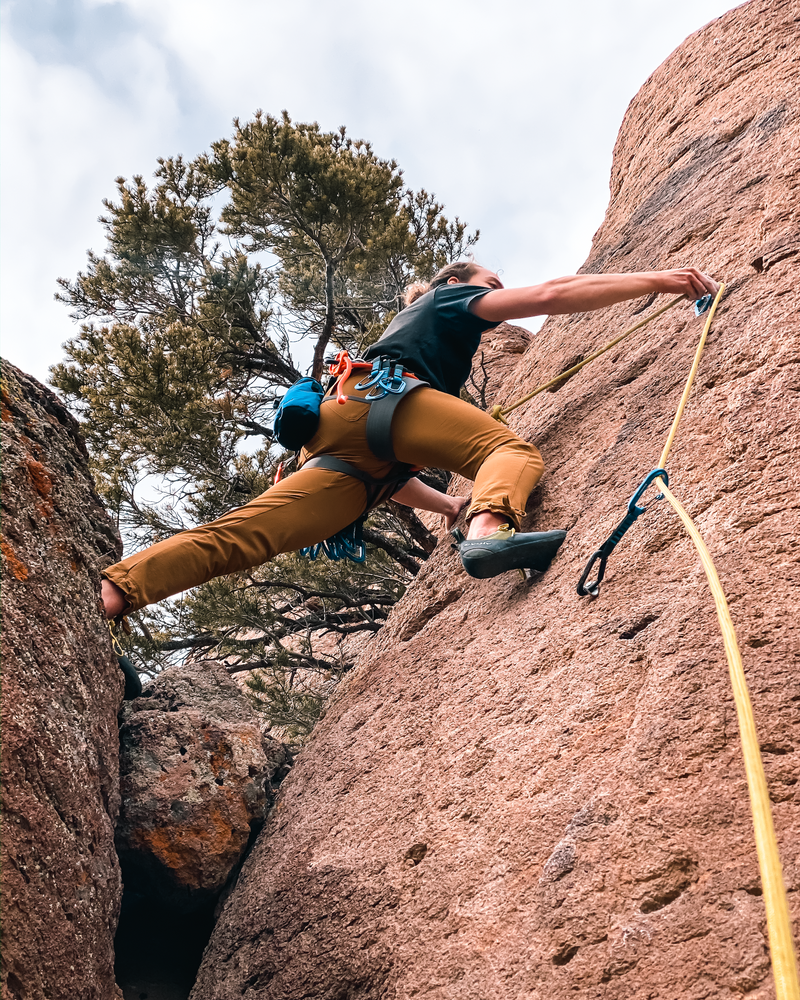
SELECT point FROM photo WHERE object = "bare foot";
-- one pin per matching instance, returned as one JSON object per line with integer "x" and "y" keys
{"x": 485, "y": 523}
{"x": 114, "y": 599}
{"x": 450, "y": 518}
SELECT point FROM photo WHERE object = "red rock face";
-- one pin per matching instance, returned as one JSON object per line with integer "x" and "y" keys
{"x": 193, "y": 771}
{"x": 61, "y": 691}
{"x": 522, "y": 793}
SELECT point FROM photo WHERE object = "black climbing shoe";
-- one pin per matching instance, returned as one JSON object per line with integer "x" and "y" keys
{"x": 509, "y": 549}
{"x": 133, "y": 683}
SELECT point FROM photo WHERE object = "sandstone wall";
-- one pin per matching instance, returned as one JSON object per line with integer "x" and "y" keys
{"x": 521, "y": 793}
{"x": 61, "y": 691}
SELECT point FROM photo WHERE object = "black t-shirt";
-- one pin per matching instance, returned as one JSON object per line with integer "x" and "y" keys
{"x": 437, "y": 336}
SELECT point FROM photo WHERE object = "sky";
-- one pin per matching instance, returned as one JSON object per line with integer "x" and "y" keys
{"x": 508, "y": 111}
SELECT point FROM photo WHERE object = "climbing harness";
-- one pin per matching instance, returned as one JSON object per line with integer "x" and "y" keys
{"x": 349, "y": 543}
{"x": 610, "y": 543}
{"x": 387, "y": 384}
{"x": 779, "y": 932}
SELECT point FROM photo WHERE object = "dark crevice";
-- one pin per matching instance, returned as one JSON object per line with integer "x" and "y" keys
{"x": 158, "y": 944}
{"x": 565, "y": 956}
{"x": 562, "y": 381}
{"x": 639, "y": 626}
{"x": 660, "y": 900}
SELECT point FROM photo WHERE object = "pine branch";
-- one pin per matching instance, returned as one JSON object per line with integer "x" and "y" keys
{"x": 400, "y": 555}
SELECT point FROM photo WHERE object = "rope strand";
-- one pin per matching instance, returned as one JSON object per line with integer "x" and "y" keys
{"x": 498, "y": 412}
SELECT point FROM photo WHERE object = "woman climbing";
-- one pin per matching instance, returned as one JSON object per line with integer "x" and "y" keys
{"x": 434, "y": 339}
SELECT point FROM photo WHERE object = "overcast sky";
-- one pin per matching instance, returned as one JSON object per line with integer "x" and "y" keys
{"x": 506, "y": 109}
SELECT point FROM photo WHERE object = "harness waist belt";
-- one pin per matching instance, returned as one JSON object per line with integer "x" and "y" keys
{"x": 375, "y": 487}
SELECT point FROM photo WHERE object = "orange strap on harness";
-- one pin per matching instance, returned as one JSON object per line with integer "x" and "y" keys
{"x": 343, "y": 366}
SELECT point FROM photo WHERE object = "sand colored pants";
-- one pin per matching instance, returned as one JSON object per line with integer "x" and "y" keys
{"x": 430, "y": 429}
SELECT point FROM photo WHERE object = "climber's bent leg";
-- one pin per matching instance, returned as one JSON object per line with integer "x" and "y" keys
{"x": 302, "y": 510}
{"x": 434, "y": 429}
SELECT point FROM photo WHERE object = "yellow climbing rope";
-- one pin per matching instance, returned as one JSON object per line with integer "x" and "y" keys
{"x": 779, "y": 931}
{"x": 779, "y": 928}
{"x": 498, "y": 412}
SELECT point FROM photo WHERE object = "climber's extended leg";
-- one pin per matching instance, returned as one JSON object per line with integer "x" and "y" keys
{"x": 309, "y": 506}
{"x": 434, "y": 429}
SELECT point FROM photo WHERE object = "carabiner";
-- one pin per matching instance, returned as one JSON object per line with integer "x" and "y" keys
{"x": 655, "y": 474}
{"x": 593, "y": 589}
{"x": 383, "y": 378}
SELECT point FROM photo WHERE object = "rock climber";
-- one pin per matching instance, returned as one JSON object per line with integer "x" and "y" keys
{"x": 434, "y": 339}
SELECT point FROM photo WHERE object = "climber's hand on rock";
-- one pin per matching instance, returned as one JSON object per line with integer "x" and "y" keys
{"x": 450, "y": 518}
{"x": 687, "y": 281}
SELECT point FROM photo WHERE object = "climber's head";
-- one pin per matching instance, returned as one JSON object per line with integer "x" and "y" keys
{"x": 460, "y": 273}
{"x": 479, "y": 276}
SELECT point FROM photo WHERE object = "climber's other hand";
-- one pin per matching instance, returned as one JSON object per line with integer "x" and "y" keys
{"x": 451, "y": 516}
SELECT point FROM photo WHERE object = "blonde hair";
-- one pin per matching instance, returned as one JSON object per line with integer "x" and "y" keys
{"x": 461, "y": 269}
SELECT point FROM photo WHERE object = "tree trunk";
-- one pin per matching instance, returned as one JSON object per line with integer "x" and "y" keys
{"x": 327, "y": 329}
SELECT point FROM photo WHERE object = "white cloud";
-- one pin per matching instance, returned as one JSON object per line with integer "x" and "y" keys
{"x": 65, "y": 140}
{"x": 509, "y": 114}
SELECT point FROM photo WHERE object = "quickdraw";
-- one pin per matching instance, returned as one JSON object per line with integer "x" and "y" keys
{"x": 634, "y": 511}
{"x": 387, "y": 376}
{"x": 346, "y": 544}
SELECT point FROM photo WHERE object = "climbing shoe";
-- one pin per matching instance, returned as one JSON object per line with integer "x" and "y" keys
{"x": 508, "y": 549}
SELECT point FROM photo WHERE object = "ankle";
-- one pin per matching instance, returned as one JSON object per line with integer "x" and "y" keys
{"x": 485, "y": 523}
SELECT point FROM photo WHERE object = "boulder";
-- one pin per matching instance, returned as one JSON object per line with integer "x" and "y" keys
{"x": 61, "y": 691}
{"x": 523, "y": 793}
{"x": 195, "y": 772}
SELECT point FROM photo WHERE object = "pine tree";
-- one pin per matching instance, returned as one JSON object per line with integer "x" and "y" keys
{"x": 220, "y": 285}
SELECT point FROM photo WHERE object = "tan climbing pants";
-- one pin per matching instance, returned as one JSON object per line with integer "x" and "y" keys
{"x": 430, "y": 429}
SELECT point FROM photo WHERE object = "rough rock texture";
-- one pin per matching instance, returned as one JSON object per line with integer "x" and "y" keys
{"x": 194, "y": 768}
{"x": 496, "y": 359}
{"x": 529, "y": 794}
{"x": 61, "y": 691}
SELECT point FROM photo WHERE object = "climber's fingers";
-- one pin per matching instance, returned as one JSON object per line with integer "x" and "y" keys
{"x": 453, "y": 514}
{"x": 690, "y": 282}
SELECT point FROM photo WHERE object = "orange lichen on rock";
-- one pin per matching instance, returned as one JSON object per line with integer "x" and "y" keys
{"x": 42, "y": 481}
{"x": 41, "y": 478}
{"x": 8, "y": 416}
{"x": 182, "y": 851}
{"x": 17, "y": 567}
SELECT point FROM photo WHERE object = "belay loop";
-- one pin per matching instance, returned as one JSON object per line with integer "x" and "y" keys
{"x": 634, "y": 510}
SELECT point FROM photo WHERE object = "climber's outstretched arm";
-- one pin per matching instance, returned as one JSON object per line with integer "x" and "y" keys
{"x": 417, "y": 494}
{"x": 584, "y": 292}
